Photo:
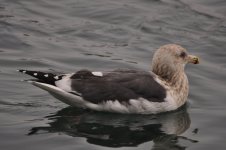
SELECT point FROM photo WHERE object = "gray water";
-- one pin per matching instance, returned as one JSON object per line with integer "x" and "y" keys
{"x": 65, "y": 36}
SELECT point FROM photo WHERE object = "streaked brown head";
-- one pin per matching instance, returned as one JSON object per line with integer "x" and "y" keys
{"x": 170, "y": 59}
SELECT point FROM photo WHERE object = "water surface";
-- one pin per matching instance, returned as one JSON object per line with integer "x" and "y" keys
{"x": 65, "y": 36}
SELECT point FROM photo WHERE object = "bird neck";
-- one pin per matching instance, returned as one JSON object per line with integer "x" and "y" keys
{"x": 175, "y": 78}
{"x": 178, "y": 83}
{"x": 171, "y": 75}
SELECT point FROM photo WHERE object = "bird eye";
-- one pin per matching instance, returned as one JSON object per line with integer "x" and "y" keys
{"x": 182, "y": 54}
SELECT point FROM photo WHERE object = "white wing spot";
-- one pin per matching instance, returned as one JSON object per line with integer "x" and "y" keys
{"x": 35, "y": 74}
{"x": 100, "y": 74}
{"x": 24, "y": 71}
{"x": 56, "y": 77}
{"x": 46, "y": 75}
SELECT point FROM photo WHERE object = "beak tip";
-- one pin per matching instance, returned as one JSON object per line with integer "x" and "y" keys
{"x": 193, "y": 59}
{"x": 196, "y": 60}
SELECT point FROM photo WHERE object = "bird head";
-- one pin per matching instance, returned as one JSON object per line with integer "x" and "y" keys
{"x": 170, "y": 59}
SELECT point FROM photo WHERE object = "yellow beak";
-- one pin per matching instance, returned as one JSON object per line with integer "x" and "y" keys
{"x": 193, "y": 59}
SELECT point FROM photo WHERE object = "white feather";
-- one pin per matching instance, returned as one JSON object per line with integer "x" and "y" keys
{"x": 100, "y": 74}
{"x": 56, "y": 77}
{"x": 65, "y": 83}
{"x": 60, "y": 94}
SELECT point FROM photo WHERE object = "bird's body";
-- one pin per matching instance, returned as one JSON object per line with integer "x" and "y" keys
{"x": 165, "y": 88}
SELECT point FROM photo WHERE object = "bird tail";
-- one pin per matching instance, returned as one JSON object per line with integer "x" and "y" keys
{"x": 49, "y": 78}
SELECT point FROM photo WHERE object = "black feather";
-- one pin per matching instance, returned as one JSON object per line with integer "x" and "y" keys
{"x": 44, "y": 77}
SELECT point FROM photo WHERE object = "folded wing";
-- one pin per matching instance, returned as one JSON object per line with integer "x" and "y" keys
{"x": 120, "y": 85}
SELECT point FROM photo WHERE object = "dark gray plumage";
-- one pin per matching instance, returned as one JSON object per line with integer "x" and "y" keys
{"x": 121, "y": 85}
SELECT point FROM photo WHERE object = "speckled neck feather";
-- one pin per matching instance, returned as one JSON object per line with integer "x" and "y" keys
{"x": 176, "y": 80}
{"x": 168, "y": 74}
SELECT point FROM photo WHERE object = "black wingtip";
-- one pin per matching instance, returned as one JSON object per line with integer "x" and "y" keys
{"x": 21, "y": 70}
{"x": 44, "y": 77}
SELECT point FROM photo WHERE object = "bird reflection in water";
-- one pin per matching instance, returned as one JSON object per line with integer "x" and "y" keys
{"x": 117, "y": 130}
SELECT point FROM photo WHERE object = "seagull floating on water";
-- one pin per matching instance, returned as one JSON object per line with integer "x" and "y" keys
{"x": 164, "y": 88}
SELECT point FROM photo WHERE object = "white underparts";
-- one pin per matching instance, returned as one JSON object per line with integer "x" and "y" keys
{"x": 135, "y": 106}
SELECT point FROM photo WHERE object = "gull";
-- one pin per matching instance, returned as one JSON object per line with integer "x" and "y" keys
{"x": 164, "y": 88}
